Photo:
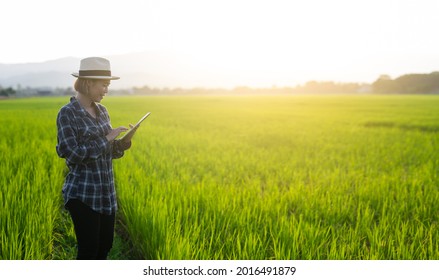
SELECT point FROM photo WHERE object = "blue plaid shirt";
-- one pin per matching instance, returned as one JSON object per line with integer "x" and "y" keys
{"x": 89, "y": 155}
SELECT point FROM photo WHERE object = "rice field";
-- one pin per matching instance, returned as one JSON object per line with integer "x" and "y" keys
{"x": 239, "y": 177}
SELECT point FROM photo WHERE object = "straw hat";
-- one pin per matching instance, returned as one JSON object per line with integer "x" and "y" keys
{"x": 95, "y": 68}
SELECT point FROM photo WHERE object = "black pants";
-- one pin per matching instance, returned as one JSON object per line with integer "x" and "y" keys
{"x": 94, "y": 231}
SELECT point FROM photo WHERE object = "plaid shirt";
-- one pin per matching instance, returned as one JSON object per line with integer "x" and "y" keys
{"x": 88, "y": 154}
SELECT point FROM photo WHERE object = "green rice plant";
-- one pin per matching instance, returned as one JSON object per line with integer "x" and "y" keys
{"x": 239, "y": 177}
{"x": 282, "y": 177}
{"x": 30, "y": 179}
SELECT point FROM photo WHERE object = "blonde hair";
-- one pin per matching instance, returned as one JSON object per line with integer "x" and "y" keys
{"x": 81, "y": 85}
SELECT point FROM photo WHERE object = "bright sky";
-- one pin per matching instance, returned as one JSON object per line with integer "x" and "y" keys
{"x": 274, "y": 41}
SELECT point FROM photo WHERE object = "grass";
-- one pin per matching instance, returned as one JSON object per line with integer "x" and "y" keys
{"x": 239, "y": 177}
{"x": 29, "y": 179}
{"x": 283, "y": 178}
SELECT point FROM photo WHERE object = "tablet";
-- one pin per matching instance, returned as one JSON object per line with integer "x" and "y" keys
{"x": 133, "y": 129}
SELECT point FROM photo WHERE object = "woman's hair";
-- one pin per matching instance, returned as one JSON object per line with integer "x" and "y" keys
{"x": 81, "y": 85}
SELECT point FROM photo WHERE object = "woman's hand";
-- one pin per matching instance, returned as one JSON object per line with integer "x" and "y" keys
{"x": 127, "y": 138}
{"x": 115, "y": 132}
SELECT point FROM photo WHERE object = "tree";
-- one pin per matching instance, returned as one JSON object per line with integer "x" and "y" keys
{"x": 7, "y": 91}
{"x": 384, "y": 84}
{"x": 409, "y": 83}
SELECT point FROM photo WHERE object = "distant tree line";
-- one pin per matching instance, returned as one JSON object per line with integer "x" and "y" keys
{"x": 329, "y": 87}
{"x": 6, "y": 92}
{"x": 406, "y": 84}
{"x": 410, "y": 83}
{"x": 310, "y": 87}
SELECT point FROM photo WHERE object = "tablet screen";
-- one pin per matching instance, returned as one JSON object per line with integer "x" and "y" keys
{"x": 129, "y": 132}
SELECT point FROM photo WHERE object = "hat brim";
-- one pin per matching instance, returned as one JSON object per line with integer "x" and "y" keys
{"x": 96, "y": 77}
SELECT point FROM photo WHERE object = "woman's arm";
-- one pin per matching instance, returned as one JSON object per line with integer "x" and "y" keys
{"x": 119, "y": 147}
{"x": 68, "y": 146}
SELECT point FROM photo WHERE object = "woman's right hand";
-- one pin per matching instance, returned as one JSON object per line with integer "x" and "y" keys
{"x": 115, "y": 132}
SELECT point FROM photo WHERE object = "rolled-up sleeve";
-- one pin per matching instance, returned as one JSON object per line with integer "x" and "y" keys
{"x": 70, "y": 148}
{"x": 119, "y": 147}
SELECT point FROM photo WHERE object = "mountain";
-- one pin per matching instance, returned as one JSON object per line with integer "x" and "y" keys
{"x": 153, "y": 69}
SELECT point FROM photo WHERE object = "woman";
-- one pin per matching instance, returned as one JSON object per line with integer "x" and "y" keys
{"x": 88, "y": 143}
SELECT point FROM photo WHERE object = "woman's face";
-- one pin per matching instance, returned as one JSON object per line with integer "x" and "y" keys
{"x": 98, "y": 89}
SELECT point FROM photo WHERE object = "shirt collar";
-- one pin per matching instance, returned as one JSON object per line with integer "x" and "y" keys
{"x": 79, "y": 107}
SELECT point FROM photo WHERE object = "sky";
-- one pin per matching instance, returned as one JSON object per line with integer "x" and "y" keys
{"x": 265, "y": 42}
